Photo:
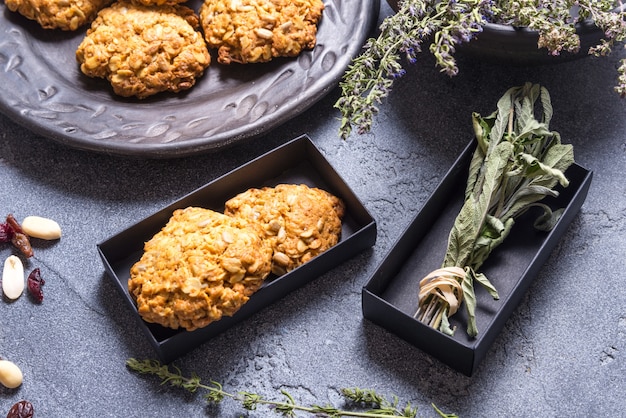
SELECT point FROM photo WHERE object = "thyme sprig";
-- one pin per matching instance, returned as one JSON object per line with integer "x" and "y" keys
{"x": 444, "y": 25}
{"x": 376, "y": 405}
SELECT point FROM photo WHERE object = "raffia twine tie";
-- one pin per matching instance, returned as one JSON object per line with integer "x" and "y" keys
{"x": 441, "y": 285}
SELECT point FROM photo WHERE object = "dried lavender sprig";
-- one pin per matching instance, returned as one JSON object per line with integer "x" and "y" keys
{"x": 446, "y": 24}
{"x": 371, "y": 76}
{"x": 614, "y": 27}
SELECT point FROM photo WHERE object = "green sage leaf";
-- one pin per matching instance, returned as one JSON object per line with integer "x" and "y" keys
{"x": 522, "y": 199}
{"x": 559, "y": 156}
{"x": 482, "y": 130}
{"x": 486, "y": 244}
{"x": 501, "y": 124}
{"x": 531, "y": 130}
{"x": 475, "y": 170}
{"x": 546, "y": 104}
{"x": 445, "y": 325}
{"x": 535, "y": 168}
{"x": 548, "y": 219}
{"x": 470, "y": 304}
{"x": 484, "y": 282}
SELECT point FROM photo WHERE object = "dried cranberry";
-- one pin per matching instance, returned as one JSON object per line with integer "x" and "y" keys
{"x": 6, "y": 232}
{"x": 35, "y": 283}
{"x": 22, "y": 409}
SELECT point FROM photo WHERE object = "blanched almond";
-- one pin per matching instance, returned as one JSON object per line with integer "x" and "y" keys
{"x": 38, "y": 227}
{"x": 10, "y": 375}
{"x": 280, "y": 258}
{"x": 13, "y": 277}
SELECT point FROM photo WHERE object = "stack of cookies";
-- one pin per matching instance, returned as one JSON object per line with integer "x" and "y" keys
{"x": 144, "y": 47}
{"x": 204, "y": 264}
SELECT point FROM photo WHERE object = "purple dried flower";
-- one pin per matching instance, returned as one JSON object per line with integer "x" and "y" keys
{"x": 443, "y": 24}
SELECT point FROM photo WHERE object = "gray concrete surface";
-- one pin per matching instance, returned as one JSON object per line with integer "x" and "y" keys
{"x": 562, "y": 353}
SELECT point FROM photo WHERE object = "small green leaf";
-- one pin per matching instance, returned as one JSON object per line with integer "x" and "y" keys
{"x": 546, "y": 103}
{"x": 475, "y": 169}
{"x": 548, "y": 219}
{"x": 470, "y": 305}
{"x": 535, "y": 168}
{"x": 443, "y": 414}
{"x": 482, "y": 131}
{"x": 503, "y": 114}
{"x": 524, "y": 198}
{"x": 484, "y": 282}
{"x": 445, "y": 324}
{"x": 485, "y": 245}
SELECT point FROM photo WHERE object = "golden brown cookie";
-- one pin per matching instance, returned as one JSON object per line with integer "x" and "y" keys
{"x": 248, "y": 31}
{"x": 158, "y": 2}
{"x": 144, "y": 50}
{"x": 201, "y": 266}
{"x": 67, "y": 15}
{"x": 300, "y": 222}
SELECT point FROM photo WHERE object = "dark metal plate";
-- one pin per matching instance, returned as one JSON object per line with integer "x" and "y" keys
{"x": 42, "y": 88}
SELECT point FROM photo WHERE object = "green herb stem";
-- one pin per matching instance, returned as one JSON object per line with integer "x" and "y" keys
{"x": 377, "y": 406}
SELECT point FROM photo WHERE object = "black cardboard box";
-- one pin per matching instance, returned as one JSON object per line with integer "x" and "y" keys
{"x": 389, "y": 298}
{"x": 297, "y": 161}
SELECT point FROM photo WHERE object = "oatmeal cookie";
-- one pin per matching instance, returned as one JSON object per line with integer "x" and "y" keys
{"x": 143, "y": 50}
{"x": 66, "y": 15}
{"x": 158, "y": 2}
{"x": 300, "y": 222}
{"x": 248, "y": 31}
{"x": 201, "y": 266}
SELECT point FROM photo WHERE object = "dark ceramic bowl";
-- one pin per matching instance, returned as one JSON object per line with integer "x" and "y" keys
{"x": 508, "y": 44}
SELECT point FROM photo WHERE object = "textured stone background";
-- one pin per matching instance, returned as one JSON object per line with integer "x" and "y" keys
{"x": 562, "y": 353}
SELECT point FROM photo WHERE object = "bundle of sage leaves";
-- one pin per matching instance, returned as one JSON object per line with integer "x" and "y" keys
{"x": 517, "y": 162}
